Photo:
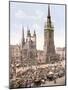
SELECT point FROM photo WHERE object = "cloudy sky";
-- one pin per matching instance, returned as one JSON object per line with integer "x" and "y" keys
{"x": 34, "y": 16}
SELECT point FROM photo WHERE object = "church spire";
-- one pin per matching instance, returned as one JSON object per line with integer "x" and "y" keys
{"x": 23, "y": 39}
{"x": 49, "y": 17}
{"x": 34, "y": 33}
{"x": 28, "y": 32}
{"x": 48, "y": 11}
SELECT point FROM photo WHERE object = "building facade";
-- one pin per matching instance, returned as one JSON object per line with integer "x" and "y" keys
{"x": 61, "y": 52}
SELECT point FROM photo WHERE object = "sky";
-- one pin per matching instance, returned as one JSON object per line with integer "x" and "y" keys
{"x": 34, "y": 16}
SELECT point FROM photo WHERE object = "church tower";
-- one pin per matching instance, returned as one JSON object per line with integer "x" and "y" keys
{"x": 49, "y": 48}
{"x": 23, "y": 39}
{"x": 31, "y": 48}
{"x": 34, "y": 39}
{"x": 34, "y": 44}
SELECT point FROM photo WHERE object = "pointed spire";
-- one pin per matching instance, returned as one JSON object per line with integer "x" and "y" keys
{"x": 48, "y": 11}
{"x": 23, "y": 39}
{"x": 34, "y": 33}
{"x": 23, "y": 33}
{"x": 49, "y": 17}
{"x": 28, "y": 32}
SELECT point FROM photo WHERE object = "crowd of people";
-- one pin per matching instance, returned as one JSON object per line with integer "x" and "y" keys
{"x": 36, "y": 77}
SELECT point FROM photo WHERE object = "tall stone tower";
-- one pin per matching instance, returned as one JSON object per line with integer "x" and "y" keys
{"x": 31, "y": 41}
{"x": 34, "y": 44}
{"x": 28, "y": 44}
{"x": 49, "y": 48}
{"x": 23, "y": 39}
{"x": 28, "y": 51}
